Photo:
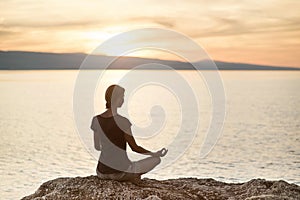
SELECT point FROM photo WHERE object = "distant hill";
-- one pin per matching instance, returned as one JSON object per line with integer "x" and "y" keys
{"x": 21, "y": 60}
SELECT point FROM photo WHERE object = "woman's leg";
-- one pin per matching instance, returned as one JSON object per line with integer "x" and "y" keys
{"x": 135, "y": 170}
{"x": 145, "y": 165}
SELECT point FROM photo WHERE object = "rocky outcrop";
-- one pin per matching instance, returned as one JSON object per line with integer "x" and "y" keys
{"x": 92, "y": 187}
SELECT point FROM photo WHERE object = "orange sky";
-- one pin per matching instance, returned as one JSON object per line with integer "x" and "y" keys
{"x": 249, "y": 31}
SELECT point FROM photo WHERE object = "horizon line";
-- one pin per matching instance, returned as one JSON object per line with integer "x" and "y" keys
{"x": 149, "y": 58}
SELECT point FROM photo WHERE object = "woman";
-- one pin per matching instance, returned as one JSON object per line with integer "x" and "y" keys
{"x": 111, "y": 134}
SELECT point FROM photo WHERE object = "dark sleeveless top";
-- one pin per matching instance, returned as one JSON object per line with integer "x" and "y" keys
{"x": 111, "y": 130}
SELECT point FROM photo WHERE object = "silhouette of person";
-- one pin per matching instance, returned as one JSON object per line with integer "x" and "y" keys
{"x": 111, "y": 134}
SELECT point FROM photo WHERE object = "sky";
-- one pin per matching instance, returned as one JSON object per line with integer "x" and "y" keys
{"x": 248, "y": 31}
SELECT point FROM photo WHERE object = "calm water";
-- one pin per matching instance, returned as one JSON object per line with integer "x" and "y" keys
{"x": 39, "y": 141}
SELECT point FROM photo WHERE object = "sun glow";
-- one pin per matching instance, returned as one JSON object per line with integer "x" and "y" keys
{"x": 95, "y": 38}
{"x": 128, "y": 42}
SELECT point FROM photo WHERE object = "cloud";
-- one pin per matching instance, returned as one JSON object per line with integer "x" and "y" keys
{"x": 5, "y": 33}
{"x": 39, "y": 24}
{"x": 197, "y": 18}
{"x": 166, "y": 22}
{"x": 228, "y": 24}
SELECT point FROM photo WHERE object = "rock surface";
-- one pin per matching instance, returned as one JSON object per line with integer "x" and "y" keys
{"x": 92, "y": 187}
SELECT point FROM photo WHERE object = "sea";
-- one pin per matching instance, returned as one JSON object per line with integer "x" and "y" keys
{"x": 45, "y": 117}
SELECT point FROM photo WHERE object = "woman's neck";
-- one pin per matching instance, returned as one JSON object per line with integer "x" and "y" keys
{"x": 111, "y": 112}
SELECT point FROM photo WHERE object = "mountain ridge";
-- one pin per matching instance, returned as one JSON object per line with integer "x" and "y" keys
{"x": 26, "y": 60}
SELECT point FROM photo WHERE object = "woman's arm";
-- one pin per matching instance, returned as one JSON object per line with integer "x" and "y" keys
{"x": 131, "y": 141}
{"x": 97, "y": 144}
{"x": 133, "y": 145}
{"x": 95, "y": 127}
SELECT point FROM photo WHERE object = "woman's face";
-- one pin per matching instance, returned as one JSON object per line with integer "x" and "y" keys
{"x": 118, "y": 101}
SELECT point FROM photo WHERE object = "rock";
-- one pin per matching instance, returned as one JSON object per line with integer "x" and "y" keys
{"x": 92, "y": 187}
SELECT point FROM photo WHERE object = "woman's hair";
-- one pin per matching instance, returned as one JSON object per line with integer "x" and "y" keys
{"x": 113, "y": 92}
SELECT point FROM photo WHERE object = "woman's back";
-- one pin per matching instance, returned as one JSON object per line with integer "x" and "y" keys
{"x": 111, "y": 131}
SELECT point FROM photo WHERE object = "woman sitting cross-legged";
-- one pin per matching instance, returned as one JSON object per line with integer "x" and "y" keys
{"x": 111, "y": 134}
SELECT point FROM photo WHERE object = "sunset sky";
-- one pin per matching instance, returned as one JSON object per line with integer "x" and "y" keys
{"x": 249, "y": 31}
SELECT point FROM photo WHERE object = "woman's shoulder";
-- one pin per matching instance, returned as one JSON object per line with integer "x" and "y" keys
{"x": 106, "y": 115}
{"x": 103, "y": 115}
{"x": 121, "y": 118}
{"x": 117, "y": 117}
{"x": 123, "y": 121}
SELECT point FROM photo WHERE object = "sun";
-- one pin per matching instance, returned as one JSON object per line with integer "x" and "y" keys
{"x": 123, "y": 44}
{"x": 94, "y": 38}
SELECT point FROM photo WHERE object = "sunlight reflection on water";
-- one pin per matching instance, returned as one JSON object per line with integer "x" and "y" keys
{"x": 261, "y": 136}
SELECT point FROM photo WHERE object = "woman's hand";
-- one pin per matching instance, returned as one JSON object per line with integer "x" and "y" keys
{"x": 160, "y": 153}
